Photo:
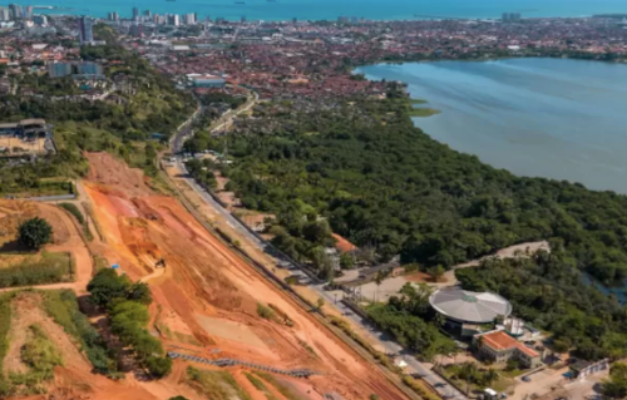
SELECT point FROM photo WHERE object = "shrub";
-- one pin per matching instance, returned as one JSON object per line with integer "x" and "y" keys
{"x": 159, "y": 366}
{"x": 34, "y": 233}
{"x": 264, "y": 311}
{"x": 40, "y": 353}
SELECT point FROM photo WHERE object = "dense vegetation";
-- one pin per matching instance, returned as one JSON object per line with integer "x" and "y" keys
{"x": 127, "y": 306}
{"x": 381, "y": 181}
{"x": 407, "y": 317}
{"x": 549, "y": 291}
{"x": 37, "y": 270}
{"x": 147, "y": 106}
{"x": 34, "y": 233}
{"x": 616, "y": 386}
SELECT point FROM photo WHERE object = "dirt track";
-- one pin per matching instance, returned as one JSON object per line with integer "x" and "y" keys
{"x": 66, "y": 238}
{"x": 203, "y": 277}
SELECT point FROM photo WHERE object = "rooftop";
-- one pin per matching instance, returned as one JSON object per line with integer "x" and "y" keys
{"x": 465, "y": 306}
{"x": 342, "y": 244}
{"x": 500, "y": 340}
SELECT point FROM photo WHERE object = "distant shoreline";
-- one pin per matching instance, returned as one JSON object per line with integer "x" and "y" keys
{"x": 285, "y": 10}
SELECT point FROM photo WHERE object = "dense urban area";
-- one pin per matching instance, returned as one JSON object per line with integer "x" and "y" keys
{"x": 208, "y": 209}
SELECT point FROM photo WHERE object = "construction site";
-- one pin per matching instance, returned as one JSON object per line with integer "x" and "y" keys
{"x": 212, "y": 309}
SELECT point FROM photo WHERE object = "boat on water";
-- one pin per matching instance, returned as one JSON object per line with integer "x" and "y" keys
{"x": 240, "y": 2}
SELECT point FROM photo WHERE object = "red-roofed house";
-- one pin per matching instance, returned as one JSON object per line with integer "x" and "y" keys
{"x": 343, "y": 245}
{"x": 498, "y": 346}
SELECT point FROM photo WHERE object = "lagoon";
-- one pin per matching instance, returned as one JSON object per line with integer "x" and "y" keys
{"x": 555, "y": 118}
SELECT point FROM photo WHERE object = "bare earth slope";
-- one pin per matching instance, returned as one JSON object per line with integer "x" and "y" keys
{"x": 207, "y": 297}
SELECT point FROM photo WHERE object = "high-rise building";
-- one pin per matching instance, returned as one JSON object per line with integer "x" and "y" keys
{"x": 243, "y": 19}
{"x": 189, "y": 19}
{"x": 174, "y": 20}
{"x": 88, "y": 68}
{"x": 40, "y": 20}
{"x": 147, "y": 13}
{"x": 28, "y": 12}
{"x": 135, "y": 13}
{"x": 58, "y": 70}
{"x": 510, "y": 17}
{"x": 342, "y": 20}
{"x": 15, "y": 11}
{"x": 294, "y": 20}
{"x": 137, "y": 30}
{"x": 61, "y": 69}
{"x": 85, "y": 30}
{"x": 4, "y": 14}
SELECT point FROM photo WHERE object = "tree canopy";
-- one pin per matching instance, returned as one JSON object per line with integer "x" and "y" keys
{"x": 380, "y": 181}
{"x": 34, "y": 233}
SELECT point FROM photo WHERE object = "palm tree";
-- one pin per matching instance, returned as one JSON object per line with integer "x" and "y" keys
{"x": 490, "y": 376}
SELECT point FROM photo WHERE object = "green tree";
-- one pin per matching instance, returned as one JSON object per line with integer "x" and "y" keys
{"x": 616, "y": 386}
{"x": 34, "y": 233}
{"x": 347, "y": 261}
{"x": 140, "y": 292}
{"x": 437, "y": 272}
{"x": 107, "y": 286}
{"x": 159, "y": 367}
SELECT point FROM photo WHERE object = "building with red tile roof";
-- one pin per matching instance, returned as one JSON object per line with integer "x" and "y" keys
{"x": 342, "y": 244}
{"x": 498, "y": 346}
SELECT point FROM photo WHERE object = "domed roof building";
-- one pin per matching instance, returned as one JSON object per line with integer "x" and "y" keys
{"x": 464, "y": 307}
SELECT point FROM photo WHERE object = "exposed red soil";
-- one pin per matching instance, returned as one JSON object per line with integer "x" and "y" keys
{"x": 204, "y": 277}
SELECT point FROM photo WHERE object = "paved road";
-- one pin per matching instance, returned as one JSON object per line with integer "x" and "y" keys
{"x": 332, "y": 298}
{"x": 226, "y": 118}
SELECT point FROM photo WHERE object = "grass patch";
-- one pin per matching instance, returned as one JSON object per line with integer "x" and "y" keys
{"x": 283, "y": 389}
{"x": 72, "y": 209}
{"x": 215, "y": 385}
{"x": 90, "y": 211}
{"x": 422, "y": 112}
{"x": 419, "y": 387}
{"x": 100, "y": 263}
{"x": 43, "y": 188}
{"x": 62, "y": 307}
{"x": 41, "y": 356}
{"x": 5, "y": 325}
{"x": 39, "y": 269}
{"x": 259, "y": 385}
{"x": 264, "y": 311}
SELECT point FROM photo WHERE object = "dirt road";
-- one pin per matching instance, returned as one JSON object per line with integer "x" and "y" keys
{"x": 519, "y": 250}
{"x": 66, "y": 238}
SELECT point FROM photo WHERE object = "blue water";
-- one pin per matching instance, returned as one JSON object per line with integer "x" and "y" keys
{"x": 331, "y": 9}
{"x": 554, "y": 118}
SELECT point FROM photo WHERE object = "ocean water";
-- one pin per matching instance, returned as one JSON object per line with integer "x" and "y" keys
{"x": 554, "y": 118}
{"x": 331, "y": 9}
